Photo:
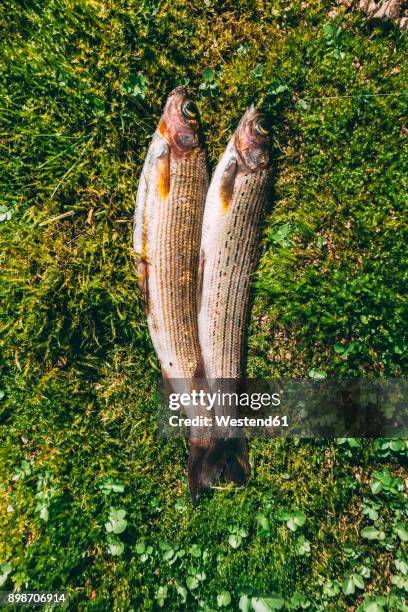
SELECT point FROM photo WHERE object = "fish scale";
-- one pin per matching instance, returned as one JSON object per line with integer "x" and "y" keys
{"x": 167, "y": 233}
{"x": 173, "y": 272}
{"x": 230, "y": 261}
{"x": 229, "y": 251}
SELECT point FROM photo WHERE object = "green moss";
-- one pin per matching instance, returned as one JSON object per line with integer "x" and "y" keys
{"x": 82, "y": 84}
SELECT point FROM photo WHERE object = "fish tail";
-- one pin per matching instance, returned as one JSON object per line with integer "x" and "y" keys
{"x": 198, "y": 473}
{"x": 237, "y": 467}
{"x": 209, "y": 460}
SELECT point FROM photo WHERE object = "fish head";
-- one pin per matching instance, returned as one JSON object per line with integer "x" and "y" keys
{"x": 252, "y": 140}
{"x": 180, "y": 122}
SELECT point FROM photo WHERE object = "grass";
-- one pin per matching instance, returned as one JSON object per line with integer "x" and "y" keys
{"x": 321, "y": 524}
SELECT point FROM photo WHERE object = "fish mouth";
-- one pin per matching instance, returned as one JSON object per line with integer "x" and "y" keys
{"x": 180, "y": 89}
{"x": 252, "y": 139}
{"x": 175, "y": 98}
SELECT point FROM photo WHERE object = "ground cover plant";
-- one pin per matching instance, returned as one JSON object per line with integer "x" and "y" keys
{"x": 91, "y": 501}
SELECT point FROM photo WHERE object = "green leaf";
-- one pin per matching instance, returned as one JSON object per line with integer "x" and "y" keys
{"x": 302, "y": 546}
{"x": 401, "y": 532}
{"x": 223, "y": 599}
{"x": 5, "y": 570}
{"x": 135, "y": 85}
{"x": 401, "y": 582}
{"x": 397, "y": 445}
{"x": 348, "y": 585}
{"x": 116, "y": 522}
{"x": 371, "y": 533}
{"x": 192, "y": 582}
{"x": 299, "y": 518}
{"x": 5, "y": 213}
{"x": 276, "y": 87}
{"x": 44, "y": 514}
{"x": 116, "y": 526}
{"x": 244, "y": 603}
{"x": 257, "y": 72}
{"x": 280, "y": 235}
{"x": 317, "y": 374}
{"x": 371, "y": 606}
{"x": 169, "y": 554}
{"x": 283, "y": 516}
{"x": 182, "y": 591}
{"x": 358, "y": 581}
{"x": 115, "y": 546}
{"x": 140, "y": 548}
{"x": 331, "y": 589}
{"x": 208, "y": 75}
{"x": 161, "y": 595}
{"x": 376, "y": 486}
{"x": 329, "y": 30}
{"x": 263, "y": 522}
{"x": 111, "y": 486}
{"x": 234, "y": 540}
{"x": 402, "y": 566}
{"x": 265, "y": 604}
{"x": 195, "y": 551}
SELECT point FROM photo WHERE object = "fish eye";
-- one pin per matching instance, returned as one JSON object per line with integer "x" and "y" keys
{"x": 261, "y": 127}
{"x": 189, "y": 110}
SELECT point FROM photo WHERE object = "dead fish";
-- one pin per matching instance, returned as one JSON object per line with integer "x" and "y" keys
{"x": 229, "y": 253}
{"x": 167, "y": 232}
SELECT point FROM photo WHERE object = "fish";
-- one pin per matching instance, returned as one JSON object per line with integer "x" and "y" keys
{"x": 167, "y": 232}
{"x": 229, "y": 253}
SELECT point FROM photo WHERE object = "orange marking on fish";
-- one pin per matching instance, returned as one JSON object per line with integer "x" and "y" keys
{"x": 227, "y": 185}
{"x": 162, "y": 128}
{"x": 226, "y": 198}
{"x": 163, "y": 177}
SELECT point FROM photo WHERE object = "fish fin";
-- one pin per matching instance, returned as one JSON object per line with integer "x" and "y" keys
{"x": 143, "y": 281}
{"x": 163, "y": 172}
{"x": 197, "y": 476}
{"x": 237, "y": 468}
{"x": 220, "y": 457}
{"x": 200, "y": 278}
{"x": 200, "y": 370}
{"x": 229, "y": 458}
{"x": 227, "y": 184}
{"x": 168, "y": 389}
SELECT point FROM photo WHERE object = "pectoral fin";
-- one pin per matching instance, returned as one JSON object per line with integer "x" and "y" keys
{"x": 143, "y": 280}
{"x": 163, "y": 172}
{"x": 227, "y": 184}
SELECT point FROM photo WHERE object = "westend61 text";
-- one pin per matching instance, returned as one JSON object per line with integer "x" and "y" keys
{"x": 227, "y": 421}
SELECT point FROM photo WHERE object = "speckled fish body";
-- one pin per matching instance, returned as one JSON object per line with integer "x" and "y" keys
{"x": 167, "y": 231}
{"x": 230, "y": 245}
{"x": 229, "y": 252}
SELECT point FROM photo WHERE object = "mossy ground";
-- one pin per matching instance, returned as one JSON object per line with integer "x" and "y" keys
{"x": 82, "y": 86}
